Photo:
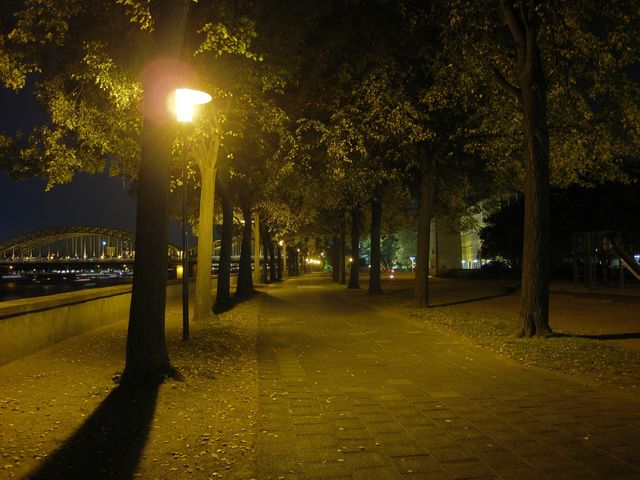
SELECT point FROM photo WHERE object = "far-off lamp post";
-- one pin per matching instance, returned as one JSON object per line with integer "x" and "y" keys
{"x": 186, "y": 99}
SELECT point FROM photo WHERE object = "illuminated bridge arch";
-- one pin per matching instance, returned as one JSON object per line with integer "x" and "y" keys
{"x": 74, "y": 242}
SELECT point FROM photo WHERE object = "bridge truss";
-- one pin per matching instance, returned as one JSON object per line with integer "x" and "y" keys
{"x": 74, "y": 242}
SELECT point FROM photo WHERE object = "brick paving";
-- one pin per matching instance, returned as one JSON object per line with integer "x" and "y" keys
{"x": 347, "y": 391}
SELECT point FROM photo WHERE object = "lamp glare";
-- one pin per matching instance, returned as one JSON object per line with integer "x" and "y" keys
{"x": 186, "y": 98}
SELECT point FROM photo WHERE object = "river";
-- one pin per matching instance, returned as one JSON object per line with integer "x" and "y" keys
{"x": 15, "y": 290}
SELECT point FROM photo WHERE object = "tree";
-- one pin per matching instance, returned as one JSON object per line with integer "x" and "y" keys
{"x": 221, "y": 44}
{"x": 532, "y": 97}
{"x": 147, "y": 360}
{"x": 354, "y": 267}
{"x": 244, "y": 285}
{"x": 375, "y": 287}
{"x": 361, "y": 113}
{"x": 223, "y": 293}
{"x": 86, "y": 84}
{"x": 565, "y": 69}
{"x": 205, "y": 152}
{"x": 85, "y": 81}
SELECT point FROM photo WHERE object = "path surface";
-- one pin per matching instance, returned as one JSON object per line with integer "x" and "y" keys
{"x": 347, "y": 391}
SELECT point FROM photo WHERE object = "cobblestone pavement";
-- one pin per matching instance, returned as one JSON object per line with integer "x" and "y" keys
{"x": 348, "y": 391}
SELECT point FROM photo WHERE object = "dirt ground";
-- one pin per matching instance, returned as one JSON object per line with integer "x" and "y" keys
{"x": 58, "y": 407}
{"x": 612, "y": 312}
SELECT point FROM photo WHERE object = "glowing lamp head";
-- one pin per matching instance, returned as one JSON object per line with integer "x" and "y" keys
{"x": 186, "y": 99}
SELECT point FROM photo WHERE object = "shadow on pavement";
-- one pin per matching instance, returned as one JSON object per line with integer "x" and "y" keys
{"x": 604, "y": 336}
{"x": 235, "y": 299}
{"x": 109, "y": 444}
{"x": 507, "y": 292}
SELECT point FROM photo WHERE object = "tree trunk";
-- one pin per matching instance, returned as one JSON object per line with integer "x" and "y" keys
{"x": 296, "y": 253}
{"x": 335, "y": 257}
{"x": 424, "y": 238}
{"x": 354, "y": 271}
{"x": 285, "y": 261}
{"x": 272, "y": 261}
{"x": 245, "y": 277}
{"x": 343, "y": 251}
{"x": 375, "y": 286}
{"x": 279, "y": 263}
{"x": 532, "y": 94}
{"x": 223, "y": 292}
{"x": 257, "y": 277}
{"x": 147, "y": 360}
{"x": 206, "y": 156}
{"x": 264, "y": 234}
{"x": 202, "y": 298}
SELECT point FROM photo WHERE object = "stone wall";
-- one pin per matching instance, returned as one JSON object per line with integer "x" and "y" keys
{"x": 30, "y": 324}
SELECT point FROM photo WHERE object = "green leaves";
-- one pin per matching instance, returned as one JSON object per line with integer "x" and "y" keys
{"x": 219, "y": 38}
{"x": 14, "y": 69}
{"x": 138, "y": 12}
{"x": 124, "y": 92}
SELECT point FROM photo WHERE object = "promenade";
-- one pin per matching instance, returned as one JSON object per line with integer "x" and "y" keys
{"x": 311, "y": 381}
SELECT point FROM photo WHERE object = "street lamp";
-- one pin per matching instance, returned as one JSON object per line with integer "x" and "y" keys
{"x": 186, "y": 98}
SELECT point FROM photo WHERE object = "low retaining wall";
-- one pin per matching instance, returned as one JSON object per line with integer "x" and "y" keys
{"x": 30, "y": 324}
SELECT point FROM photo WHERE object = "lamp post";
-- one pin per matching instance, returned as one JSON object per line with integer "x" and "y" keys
{"x": 185, "y": 101}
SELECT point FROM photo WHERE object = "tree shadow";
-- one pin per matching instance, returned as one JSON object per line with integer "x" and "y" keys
{"x": 109, "y": 444}
{"x": 223, "y": 306}
{"x": 235, "y": 299}
{"x": 508, "y": 291}
{"x": 603, "y": 336}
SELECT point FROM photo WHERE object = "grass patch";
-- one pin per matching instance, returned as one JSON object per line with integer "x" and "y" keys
{"x": 601, "y": 360}
{"x": 595, "y": 360}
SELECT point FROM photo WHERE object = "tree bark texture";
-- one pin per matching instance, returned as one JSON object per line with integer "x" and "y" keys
{"x": 245, "y": 277}
{"x": 279, "y": 262}
{"x": 206, "y": 156}
{"x": 147, "y": 360}
{"x": 342, "y": 251}
{"x": 285, "y": 262}
{"x": 335, "y": 258}
{"x": 298, "y": 269}
{"x": 202, "y": 300}
{"x": 272, "y": 260}
{"x": 264, "y": 235}
{"x": 427, "y": 189}
{"x": 223, "y": 292}
{"x": 532, "y": 95}
{"x": 354, "y": 271}
{"x": 375, "y": 285}
{"x": 257, "y": 276}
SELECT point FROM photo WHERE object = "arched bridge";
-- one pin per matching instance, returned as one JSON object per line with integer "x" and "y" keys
{"x": 74, "y": 242}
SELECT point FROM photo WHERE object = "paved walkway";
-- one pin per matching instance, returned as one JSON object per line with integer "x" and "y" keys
{"x": 347, "y": 391}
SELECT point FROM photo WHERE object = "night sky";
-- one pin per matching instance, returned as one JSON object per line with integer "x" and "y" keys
{"x": 88, "y": 200}
{"x": 97, "y": 200}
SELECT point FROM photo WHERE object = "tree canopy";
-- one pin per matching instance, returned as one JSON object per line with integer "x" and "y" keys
{"x": 324, "y": 108}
